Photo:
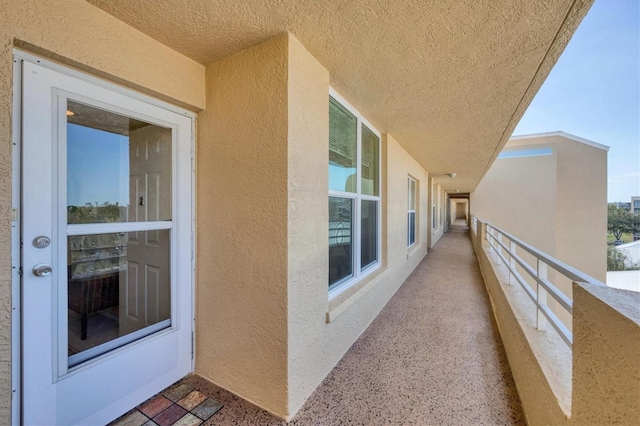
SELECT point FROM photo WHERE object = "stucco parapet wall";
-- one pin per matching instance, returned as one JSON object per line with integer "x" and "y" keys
{"x": 341, "y": 302}
{"x": 624, "y": 302}
{"x": 606, "y": 352}
{"x": 540, "y": 361}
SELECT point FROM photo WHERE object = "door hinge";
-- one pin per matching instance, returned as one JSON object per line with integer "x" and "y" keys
{"x": 21, "y": 271}
{"x": 192, "y": 345}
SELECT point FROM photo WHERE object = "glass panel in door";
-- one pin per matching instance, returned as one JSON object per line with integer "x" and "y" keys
{"x": 118, "y": 283}
{"x": 118, "y": 168}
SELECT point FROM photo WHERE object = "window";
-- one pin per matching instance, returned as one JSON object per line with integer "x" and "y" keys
{"x": 354, "y": 195}
{"x": 433, "y": 216}
{"x": 411, "y": 212}
{"x": 434, "y": 223}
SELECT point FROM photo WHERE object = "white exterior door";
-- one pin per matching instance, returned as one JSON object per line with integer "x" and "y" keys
{"x": 107, "y": 249}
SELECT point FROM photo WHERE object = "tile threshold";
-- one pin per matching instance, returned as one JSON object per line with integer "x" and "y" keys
{"x": 178, "y": 405}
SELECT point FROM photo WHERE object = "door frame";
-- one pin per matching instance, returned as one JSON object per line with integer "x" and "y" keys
{"x": 20, "y": 56}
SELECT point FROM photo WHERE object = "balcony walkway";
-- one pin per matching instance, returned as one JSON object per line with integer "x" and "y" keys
{"x": 432, "y": 357}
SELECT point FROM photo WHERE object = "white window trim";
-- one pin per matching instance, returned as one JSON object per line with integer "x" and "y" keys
{"x": 409, "y": 210}
{"x": 358, "y": 273}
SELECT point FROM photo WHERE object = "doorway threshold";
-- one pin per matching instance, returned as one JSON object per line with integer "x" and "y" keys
{"x": 180, "y": 404}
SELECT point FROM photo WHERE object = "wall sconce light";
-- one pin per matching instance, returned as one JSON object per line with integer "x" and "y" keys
{"x": 452, "y": 175}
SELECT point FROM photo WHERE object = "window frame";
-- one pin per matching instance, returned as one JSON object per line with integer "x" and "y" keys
{"x": 434, "y": 219}
{"x": 358, "y": 272}
{"x": 410, "y": 180}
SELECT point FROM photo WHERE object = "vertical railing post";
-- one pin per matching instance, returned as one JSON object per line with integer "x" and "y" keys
{"x": 499, "y": 241}
{"x": 490, "y": 232}
{"x": 541, "y": 296}
{"x": 512, "y": 262}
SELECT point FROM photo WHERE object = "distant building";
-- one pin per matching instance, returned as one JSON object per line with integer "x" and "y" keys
{"x": 624, "y": 280}
{"x": 621, "y": 205}
{"x": 627, "y": 280}
{"x": 634, "y": 205}
{"x": 635, "y": 208}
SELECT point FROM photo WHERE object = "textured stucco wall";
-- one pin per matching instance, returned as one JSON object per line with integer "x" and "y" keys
{"x": 606, "y": 346}
{"x": 241, "y": 288}
{"x": 462, "y": 73}
{"x": 316, "y": 346}
{"x": 519, "y": 196}
{"x": 78, "y": 34}
{"x": 325, "y": 343}
{"x": 308, "y": 159}
{"x": 262, "y": 298}
{"x": 582, "y": 208}
{"x": 556, "y": 203}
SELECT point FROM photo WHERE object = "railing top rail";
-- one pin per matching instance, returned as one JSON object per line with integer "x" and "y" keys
{"x": 572, "y": 273}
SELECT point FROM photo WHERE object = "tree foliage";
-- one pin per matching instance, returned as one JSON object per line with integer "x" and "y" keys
{"x": 620, "y": 221}
{"x": 617, "y": 260}
{"x": 94, "y": 213}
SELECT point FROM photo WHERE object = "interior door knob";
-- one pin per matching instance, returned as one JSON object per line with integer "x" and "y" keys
{"x": 42, "y": 270}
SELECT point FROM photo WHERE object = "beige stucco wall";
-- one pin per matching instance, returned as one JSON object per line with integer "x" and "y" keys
{"x": 78, "y": 34}
{"x": 519, "y": 196}
{"x": 241, "y": 288}
{"x": 266, "y": 329}
{"x": 582, "y": 207}
{"x": 316, "y": 344}
{"x": 606, "y": 346}
{"x": 308, "y": 232}
{"x": 557, "y": 203}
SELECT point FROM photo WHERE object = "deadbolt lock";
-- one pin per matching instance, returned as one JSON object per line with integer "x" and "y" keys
{"x": 41, "y": 242}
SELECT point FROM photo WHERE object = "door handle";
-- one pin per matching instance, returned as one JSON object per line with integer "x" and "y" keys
{"x": 42, "y": 270}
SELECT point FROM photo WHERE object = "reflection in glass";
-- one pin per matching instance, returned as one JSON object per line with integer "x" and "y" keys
{"x": 369, "y": 228}
{"x": 412, "y": 228}
{"x": 118, "y": 168}
{"x": 370, "y": 162}
{"x": 118, "y": 284}
{"x": 340, "y": 239}
{"x": 411, "y": 218}
{"x": 412, "y": 194}
{"x": 343, "y": 128}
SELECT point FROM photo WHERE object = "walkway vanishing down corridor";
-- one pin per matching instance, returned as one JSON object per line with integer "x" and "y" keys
{"x": 432, "y": 357}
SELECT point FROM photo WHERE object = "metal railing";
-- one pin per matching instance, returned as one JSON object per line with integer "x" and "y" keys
{"x": 505, "y": 246}
{"x": 474, "y": 224}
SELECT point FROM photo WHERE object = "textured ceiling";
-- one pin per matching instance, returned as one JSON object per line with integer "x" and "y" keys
{"x": 449, "y": 79}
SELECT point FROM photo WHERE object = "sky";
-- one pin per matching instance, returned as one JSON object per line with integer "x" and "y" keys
{"x": 594, "y": 92}
{"x": 97, "y": 166}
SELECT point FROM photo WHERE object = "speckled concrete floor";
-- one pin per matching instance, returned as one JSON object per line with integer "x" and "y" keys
{"x": 432, "y": 357}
